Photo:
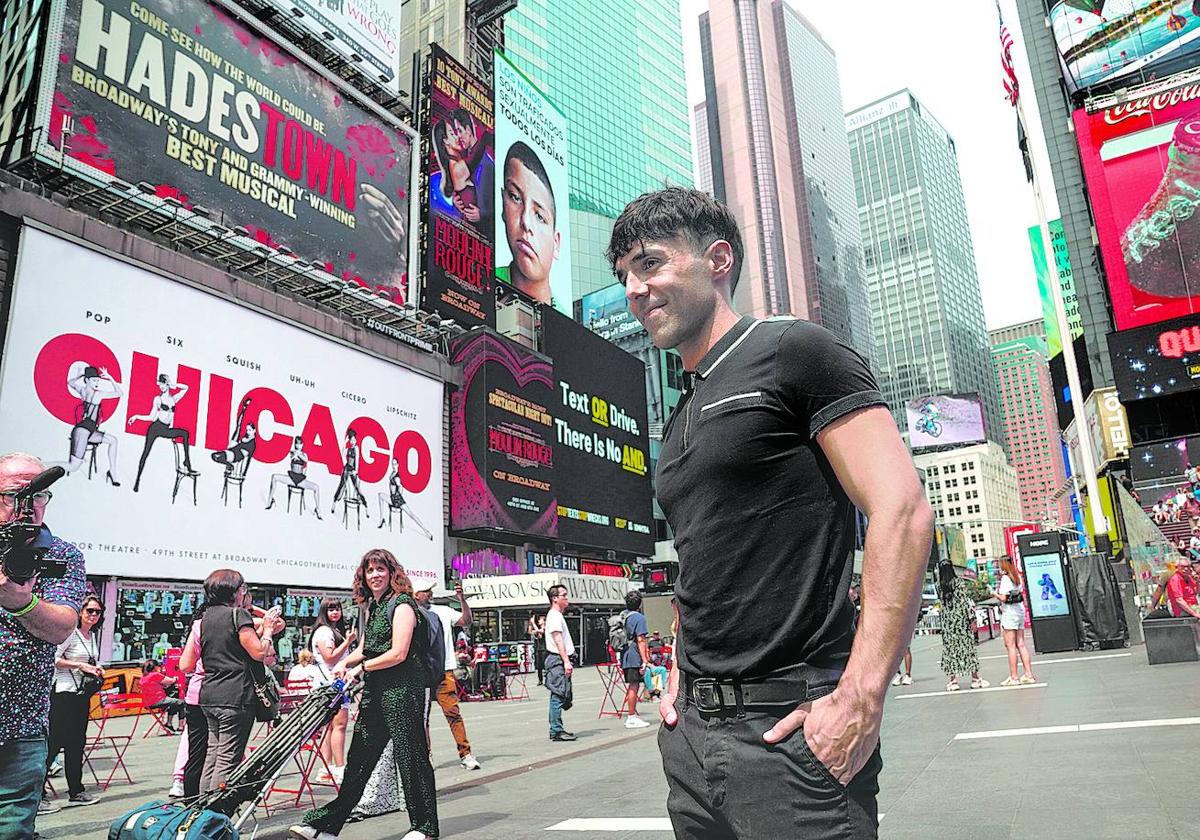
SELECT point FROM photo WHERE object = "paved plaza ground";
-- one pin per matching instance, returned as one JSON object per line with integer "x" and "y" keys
{"x": 1104, "y": 746}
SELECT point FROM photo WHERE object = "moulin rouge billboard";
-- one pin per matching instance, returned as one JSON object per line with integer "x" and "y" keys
{"x": 198, "y": 434}
{"x": 185, "y": 98}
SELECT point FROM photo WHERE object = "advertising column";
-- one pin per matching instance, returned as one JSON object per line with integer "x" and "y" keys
{"x": 199, "y": 434}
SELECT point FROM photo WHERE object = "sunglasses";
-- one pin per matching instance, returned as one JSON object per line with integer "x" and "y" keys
{"x": 93, "y": 611}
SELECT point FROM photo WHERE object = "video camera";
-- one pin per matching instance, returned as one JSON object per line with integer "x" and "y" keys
{"x": 19, "y": 559}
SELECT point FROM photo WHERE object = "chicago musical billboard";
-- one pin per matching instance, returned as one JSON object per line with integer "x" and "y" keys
{"x": 199, "y": 434}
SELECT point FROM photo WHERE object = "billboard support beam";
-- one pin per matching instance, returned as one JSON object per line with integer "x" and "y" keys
{"x": 1088, "y": 466}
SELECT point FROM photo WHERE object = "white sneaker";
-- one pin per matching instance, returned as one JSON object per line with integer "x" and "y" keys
{"x": 415, "y": 835}
{"x": 176, "y": 789}
{"x": 896, "y": 680}
{"x": 980, "y": 683}
{"x": 307, "y": 832}
{"x": 906, "y": 679}
{"x": 953, "y": 686}
{"x": 469, "y": 762}
{"x": 635, "y": 722}
{"x": 338, "y": 773}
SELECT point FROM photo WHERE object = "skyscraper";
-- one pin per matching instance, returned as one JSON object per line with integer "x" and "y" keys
{"x": 779, "y": 159}
{"x": 926, "y": 309}
{"x": 1030, "y": 424}
{"x": 615, "y": 68}
{"x": 704, "y": 173}
{"x": 974, "y": 488}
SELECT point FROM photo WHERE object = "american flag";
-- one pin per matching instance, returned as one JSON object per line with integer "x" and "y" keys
{"x": 1011, "y": 86}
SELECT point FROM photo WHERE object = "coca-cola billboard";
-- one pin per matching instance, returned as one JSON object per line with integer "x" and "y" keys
{"x": 1141, "y": 159}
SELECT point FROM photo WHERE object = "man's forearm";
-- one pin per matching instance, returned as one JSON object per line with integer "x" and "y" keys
{"x": 893, "y": 571}
{"x": 51, "y": 622}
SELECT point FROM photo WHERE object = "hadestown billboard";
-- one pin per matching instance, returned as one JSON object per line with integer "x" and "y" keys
{"x": 198, "y": 433}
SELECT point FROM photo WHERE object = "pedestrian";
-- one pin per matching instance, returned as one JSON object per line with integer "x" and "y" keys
{"x": 306, "y": 671}
{"x": 392, "y": 705}
{"x": 447, "y": 692}
{"x": 635, "y": 658}
{"x": 560, "y": 647}
{"x": 332, "y": 641}
{"x": 539, "y": 649}
{"x": 782, "y": 433}
{"x": 959, "y": 645}
{"x": 36, "y": 616}
{"x": 905, "y": 677}
{"x": 193, "y": 747}
{"x": 228, "y": 646}
{"x": 153, "y": 685}
{"x": 1011, "y": 595}
{"x": 77, "y": 676}
{"x": 1181, "y": 589}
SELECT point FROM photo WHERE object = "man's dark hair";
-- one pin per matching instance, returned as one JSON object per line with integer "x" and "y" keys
{"x": 677, "y": 211}
{"x": 461, "y": 116}
{"x": 633, "y": 600}
{"x": 530, "y": 160}
{"x": 554, "y": 591}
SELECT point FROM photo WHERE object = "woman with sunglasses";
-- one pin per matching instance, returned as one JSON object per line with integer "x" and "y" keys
{"x": 332, "y": 641}
{"x": 76, "y": 679}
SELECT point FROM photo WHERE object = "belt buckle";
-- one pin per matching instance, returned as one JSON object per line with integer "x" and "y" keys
{"x": 705, "y": 688}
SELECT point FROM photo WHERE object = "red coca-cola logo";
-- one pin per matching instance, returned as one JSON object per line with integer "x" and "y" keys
{"x": 322, "y": 438}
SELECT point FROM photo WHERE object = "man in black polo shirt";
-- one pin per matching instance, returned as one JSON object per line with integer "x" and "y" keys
{"x": 773, "y": 708}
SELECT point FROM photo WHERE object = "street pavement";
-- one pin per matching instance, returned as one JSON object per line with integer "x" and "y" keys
{"x": 1102, "y": 747}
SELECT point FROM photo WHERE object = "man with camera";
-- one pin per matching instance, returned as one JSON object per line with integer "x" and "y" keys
{"x": 41, "y": 586}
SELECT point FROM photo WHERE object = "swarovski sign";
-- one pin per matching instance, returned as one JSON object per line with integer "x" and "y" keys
{"x": 530, "y": 590}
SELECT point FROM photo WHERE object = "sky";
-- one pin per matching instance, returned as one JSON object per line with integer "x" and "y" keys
{"x": 947, "y": 52}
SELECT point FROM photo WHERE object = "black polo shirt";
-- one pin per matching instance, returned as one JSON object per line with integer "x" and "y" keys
{"x": 764, "y": 531}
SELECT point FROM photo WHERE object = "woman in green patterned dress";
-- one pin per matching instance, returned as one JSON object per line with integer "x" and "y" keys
{"x": 392, "y": 706}
{"x": 959, "y": 653}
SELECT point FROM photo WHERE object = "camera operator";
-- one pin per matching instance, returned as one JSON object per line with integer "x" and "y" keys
{"x": 35, "y": 617}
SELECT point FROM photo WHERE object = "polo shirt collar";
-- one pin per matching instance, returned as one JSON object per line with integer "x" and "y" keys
{"x": 725, "y": 346}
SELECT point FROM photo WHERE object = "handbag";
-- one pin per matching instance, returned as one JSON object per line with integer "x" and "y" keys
{"x": 266, "y": 687}
{"x": 160, "y": 820}
{"x": 86, "y": 684}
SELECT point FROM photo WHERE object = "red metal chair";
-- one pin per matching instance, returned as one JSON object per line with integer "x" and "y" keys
{"x": 104, "y": 745}
{"x": 612, "y": 679}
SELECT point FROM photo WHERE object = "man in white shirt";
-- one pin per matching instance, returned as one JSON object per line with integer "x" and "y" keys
{"x": 447, "y": 694}
{"x": 559, "y": 649}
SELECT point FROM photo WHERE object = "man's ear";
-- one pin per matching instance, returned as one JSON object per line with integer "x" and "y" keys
{"x": 719, "y": 256}
{"x": 557, "y": 243}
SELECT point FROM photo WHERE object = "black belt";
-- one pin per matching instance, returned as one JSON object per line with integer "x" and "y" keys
{"x": 788, "y": 687}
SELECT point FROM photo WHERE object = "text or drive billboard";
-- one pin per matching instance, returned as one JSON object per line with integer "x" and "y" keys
{"x": 186, "y": 100}
{"x": 1105, "y": 41}
{"x": 944, "y": 420}
{"x": 601, "y": 440}
{"x": 1141, "y": 160}
{"x": 1157, "y": 360}
{"x": 459, "y": 155}
{"x": 368, "y": 29}
{"x": 533, "y": 230}
{"x": 199, "y": 434}
{"x": 502, "y": 454}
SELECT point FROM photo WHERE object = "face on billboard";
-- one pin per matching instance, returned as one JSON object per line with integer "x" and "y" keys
{"x": 1141, "y": 159}
{"x": 1101, "y": 41}
{"x": 199, "y": 434}
{"x": 943, "y": 420}
{"x": 533, "y": 254}
{"x": 195, "y": 107}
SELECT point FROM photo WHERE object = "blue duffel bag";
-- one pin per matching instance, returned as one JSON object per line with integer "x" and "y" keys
{"x": 159, "y": 820}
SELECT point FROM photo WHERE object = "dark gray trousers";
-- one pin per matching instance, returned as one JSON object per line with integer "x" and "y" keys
{"x": 727, "y": 784}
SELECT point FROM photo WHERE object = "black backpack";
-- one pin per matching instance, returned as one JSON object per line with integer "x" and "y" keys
{"x": 433, "y": 656}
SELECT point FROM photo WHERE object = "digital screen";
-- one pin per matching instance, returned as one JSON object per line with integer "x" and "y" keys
{"x": 601, "y": 438}
{"x": 502, "y": 452}
{"x": 195, "y": 107}
{"x": 944, "y": 420}
{"x": 1157, "y": 360}
{"x": 459, "y": 164}
{"x": 1141, "y": 161}
{"x": 1045, "y": 584}
{"x": 1131, "y": 41}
